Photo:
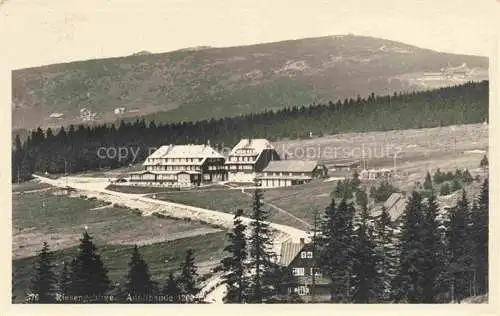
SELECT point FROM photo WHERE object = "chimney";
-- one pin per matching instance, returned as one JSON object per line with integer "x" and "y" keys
{"x": 208, "y": 143}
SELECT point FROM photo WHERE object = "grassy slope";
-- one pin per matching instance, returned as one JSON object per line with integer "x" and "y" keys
{"x": 60, "y": 220}
{"x": 161, "y": 258}
{"x": 229, "y": 201}
{"x": 223, "y": 81}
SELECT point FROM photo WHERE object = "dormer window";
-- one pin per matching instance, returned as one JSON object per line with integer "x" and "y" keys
{"x": 306, "y": 255}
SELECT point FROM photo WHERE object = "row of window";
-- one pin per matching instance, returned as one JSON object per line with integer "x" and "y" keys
{"x": 302, "y": 271}
{"x": 283, "y": 173}
{"x": 306, "y": 255}
{"x": 173, "y": 160}
{"x": 244, "y": 158}
{"x": 245, "y": 151}
{"x": 243, "y": 167}
{"x": 300, "y": 290}
{"x": 173, "y": 168}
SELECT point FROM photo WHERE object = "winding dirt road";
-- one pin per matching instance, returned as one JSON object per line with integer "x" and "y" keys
{"x": 213, "y": 292}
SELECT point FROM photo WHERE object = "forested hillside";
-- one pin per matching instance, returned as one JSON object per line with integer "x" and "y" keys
{"x": 76, "y": 147}
{"x": 216, "y": 82}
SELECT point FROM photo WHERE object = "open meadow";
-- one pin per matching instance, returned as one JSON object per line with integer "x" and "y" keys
{"x": 61, "y": 219}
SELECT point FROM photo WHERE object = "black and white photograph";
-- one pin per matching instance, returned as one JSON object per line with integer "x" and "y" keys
{"x": 249, "y": 152}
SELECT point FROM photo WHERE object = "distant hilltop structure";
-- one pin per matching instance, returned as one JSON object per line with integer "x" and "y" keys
{"x": 459, "y": 72}
{"x": 87, "y": 115}
{"x": 56, "y": 115}
{"x": 119, "y": 111}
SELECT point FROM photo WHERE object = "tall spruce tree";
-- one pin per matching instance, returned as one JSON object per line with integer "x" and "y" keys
{"x": 88, "y": 275}
{"x": 336, "y": 249}
{"x": 459, "y": 243}
{"x": 234, "y": 264}
{"x": 172, "y": 289}
{"x": 386, "y": 255}
{"x": 484, "y": 162}
{"x": 44, "y": 281}
{"x": 188, "y": 280}
{"x": 407, "y": 286}
{"x": 428, "y": 182}
{"x": 432, "y": 261}
{"x": 260, "y": 256}
{"x": 365, "y": 262}
{"x": 480, "y": 222}
{"x": 65, "y": 281}
{"x": 138, "y": 285}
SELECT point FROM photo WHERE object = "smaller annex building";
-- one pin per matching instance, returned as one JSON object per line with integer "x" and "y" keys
{"x": 281, "y": 173}
{"x": 181, "y": 166}
{"x": 248, "y": 158}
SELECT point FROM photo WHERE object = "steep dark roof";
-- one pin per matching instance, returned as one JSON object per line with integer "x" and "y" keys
{"x": 289, "y": 251}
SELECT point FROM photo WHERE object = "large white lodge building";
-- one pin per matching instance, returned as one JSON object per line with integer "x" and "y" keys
{"x": 251, "y": 161}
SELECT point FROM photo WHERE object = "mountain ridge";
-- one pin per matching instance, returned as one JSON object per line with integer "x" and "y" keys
{"x": 193, "y": 84}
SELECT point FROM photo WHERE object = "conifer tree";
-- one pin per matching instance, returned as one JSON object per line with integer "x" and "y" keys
{"x": 260, "y": 255}
{"x": 172, "y": 289}
{"x": 386, "y": 255}
{"x": 188, "y": 280}
{"x": 480, "y": 222}
{"x": 438, "y": 176}
{"x": 64, "y": 280}
{"x": 138, "y": 285}
{"x": 460, "y": 261}
{"x": 432, "y": 261}
{"x": 364, "y": 263}
{"x": 88, "y": 275}
{"x": 428, "y": 182}
{"x": 484, "y": 162}
{"x": 336, "y": 247}
{"x": 408, "y": 281}
{"x": 43, "y": 283}
{"x": 466, "y": 176}
{"x": 445, "y": 189}
{"x": 355, "y": 179}
{"x": 234, "y": 265}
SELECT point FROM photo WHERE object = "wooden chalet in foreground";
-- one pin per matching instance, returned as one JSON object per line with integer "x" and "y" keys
{"x": 280, "y": 173}
{"x": 248, "y": 158}
{"x": 181, "y": 166}
{"x": 299, "y": 259}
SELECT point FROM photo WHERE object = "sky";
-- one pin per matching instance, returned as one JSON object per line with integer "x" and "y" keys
{"x": 40, "y": 32}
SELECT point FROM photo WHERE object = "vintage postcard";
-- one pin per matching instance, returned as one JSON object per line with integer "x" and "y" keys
{"x": 249, "y": 152}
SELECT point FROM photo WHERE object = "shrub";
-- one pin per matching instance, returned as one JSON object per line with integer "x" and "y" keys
{"x": 136, "y": 211}
{"x": 455, "y": 185}
{"x": 466, "y": 176}
{"x": 445, "y": 189}
{"x": 383, "y": 192}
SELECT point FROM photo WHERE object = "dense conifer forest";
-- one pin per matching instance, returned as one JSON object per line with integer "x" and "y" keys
{"x": 75, "y": 148}
{"x": 425, "y": 258}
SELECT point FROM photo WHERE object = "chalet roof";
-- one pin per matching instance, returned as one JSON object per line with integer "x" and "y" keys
{"x": 395, "y": 205}
{"x": 289, "y": 251}
{"x": 258, "y": 145}
{"x": 344, "y": 164}
{"x": 166, "y": 172}
{"x": 283, "y": 177}
{"x": 291, "y": 166}
{"x": 185, "y": 151}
